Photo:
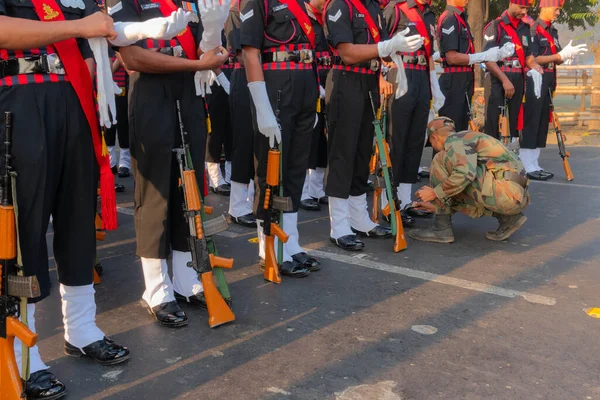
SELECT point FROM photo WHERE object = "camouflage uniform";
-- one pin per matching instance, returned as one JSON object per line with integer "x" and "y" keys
{"x": 467, "y": 177}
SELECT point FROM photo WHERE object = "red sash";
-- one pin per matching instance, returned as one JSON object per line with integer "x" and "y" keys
{"x": 548, "y": 36}
{"x": 462, "y": 23}
{"x": 313, "y": 10}
{"x": 303, "y": 19}
{"x": 79, "y": 77}
{"x": 186, "y": 40}
{"x": 370, "y": 23}
{"x": 521, "y": 55}
{"x": 414, "y": 16}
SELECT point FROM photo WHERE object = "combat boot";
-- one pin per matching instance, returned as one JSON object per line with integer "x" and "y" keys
{"x": 509, "y": 224}
{"x": 440, "y": 232}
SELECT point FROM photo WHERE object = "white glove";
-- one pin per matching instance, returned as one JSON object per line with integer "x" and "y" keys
{"x": 222, "y": 81}
{"x": 156, "y": 28}
{"x": 570, "y": 51}
{"x": 400, "y": 42}
{"x": 507, "y": 50}
{"x": 265, "y": 118}
{"x": 438, "y": 97}
{"x": 107, "y": 88}
{"x": 401, "y": 80}
{"x": 321, "y": 92}
{"x": 490, "y": 55}
{"x": 316, "y": 121}
{"x": 202, "y": 81}
{"x": 537, "y": 82}
{"x": 436, "y": 56}
{"x": 213, "y": 14}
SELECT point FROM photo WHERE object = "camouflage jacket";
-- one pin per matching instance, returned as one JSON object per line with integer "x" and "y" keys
{"x": 474, "y": 158}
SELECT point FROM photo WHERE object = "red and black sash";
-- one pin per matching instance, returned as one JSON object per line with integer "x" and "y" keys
{"x": 370, "y": 23}
{"x": 508, "y": 28}
{"x": 414, "y": 16}
{"x": 303, "y": 20}
{"x": 185, "y": 38}
{"x": 549, "y": 37}
{"x": 79, "y": 76}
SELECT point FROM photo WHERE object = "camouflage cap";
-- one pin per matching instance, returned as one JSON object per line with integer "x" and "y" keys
{"x": 440, "y": 124}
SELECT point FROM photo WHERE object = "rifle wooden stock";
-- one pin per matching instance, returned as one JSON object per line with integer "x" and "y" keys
{"x": 219, "y": 312}
{"x": 12, "y": 386}
{"x": 192, "y": 194}
{"x": 399, "y": 240}
{"x": 271, "y": 273}
{"x": 560, "y": 140}
{"x": 472, "y": 126}
{"x": 375, "y": 210}
{"x": 567, "y": 168}
{"x": 503, "y": 129}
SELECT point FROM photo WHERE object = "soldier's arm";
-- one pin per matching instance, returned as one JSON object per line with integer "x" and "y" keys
{"x": 489, "y": 41}
{"x": 252, "y": 31}
{"x": 152, "y": 62}
{"x": 463, "y": 157}
{"x": 449, "y": 35}
{"x": 19, "y": 33}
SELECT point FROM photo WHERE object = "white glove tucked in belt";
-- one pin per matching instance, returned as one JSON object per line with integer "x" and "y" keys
{"x": 107, "y": 88}
{"x": 436, "y": 93}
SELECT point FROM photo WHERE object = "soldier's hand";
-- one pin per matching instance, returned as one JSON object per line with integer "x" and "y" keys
{"x": 385, "y": 87}
{"x": 420, "y": 205}
{"x": 426, "y": 194}
{"x": 97, "y": 25}
{"x": 213, "y": 59}
{"x": 509, "y": 89}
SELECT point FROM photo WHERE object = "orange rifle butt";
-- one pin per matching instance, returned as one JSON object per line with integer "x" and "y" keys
{"x": 208, "y": 210}
{"x": 272, "y": 273}
{"x": 400, "y": 240}
{"x": 375, "y": 212}
{"x": 8, "y": 233}
{"x": 219, "y": 312}
{"x": 567, "y": 167}
{"x": 12, "y": 385}
{"x": 97, "y": 279}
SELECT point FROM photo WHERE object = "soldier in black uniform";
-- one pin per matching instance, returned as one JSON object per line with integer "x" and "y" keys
{"x": 507, "y": 78}
{"x": 313, "y": 194}
{"x": 242, "y": 151}
{"x": 410, "y": 112}
{"x": 355, "y": 30}
{"x": 280, "y": 34}
{"x": 53, "y": 155}
{"x": 164, "y": 73}
{"x": 458, "y": 57}
{"x": 548, "y": 53}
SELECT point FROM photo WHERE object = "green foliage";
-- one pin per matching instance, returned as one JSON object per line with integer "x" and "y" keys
{"x": 576, "y": 13}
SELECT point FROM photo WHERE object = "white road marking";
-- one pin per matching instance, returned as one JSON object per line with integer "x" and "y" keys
{"x": 273, "y": 389}
{"x": 126, "y": 211}
{"x": 445, "y": 280}
{"x": 424, "y": 329}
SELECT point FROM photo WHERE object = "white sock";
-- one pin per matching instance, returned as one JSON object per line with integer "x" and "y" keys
{"x": 35, "y": 361}
{"x": 305, "y": 193}
{"x": 359, "y": 214}
{"x": 185, "y": 279}
{"x": 528, "y": 158}
{"x": 261, "y": 238}
{"x": 238, "y": 200}
{"x": 316, "y": 183}
{"x": 159, "y": 288}
{"x": 215, "y": 178}
{"x": 251, "y": 192}
{"x": 79, "y": 315}
{"x": 227, "y": 171}
{"x": 112, "y": 154}
{"x": 125, "y": 159}
{"x": 405, "y": 194}
{"x": 338, "y": 216}
{"x": 537, "y": 159}
{"x": 290, "y": 223}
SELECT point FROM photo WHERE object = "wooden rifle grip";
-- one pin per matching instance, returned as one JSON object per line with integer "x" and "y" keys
{"x": 8, "y": 233}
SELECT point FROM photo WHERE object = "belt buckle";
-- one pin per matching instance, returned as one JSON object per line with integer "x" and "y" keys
{"x": 374, "y": 65}
{"x": 517, "y": 64}
{"x": 306, "y": 56}
{"x": 421, "y": 60}
{"x": 52, "y": 64}
{"x": 326, "y": 61}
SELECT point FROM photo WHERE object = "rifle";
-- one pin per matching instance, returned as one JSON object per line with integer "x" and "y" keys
{"x": 561, "y": 139}
{"x": 270, "y": 225}
{"x": 386, "y": 170}
{"x": 378, "y": 189}
{"x": 504, "y": 123}
{"x": 472, "y": 125}
{"x": 12, "y": 287}
{"x": 203, "y": 262}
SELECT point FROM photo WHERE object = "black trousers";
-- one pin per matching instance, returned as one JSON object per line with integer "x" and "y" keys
{"x": 154, "y": 133}
{"x": 537, "y": 113}
{"x": 298, "y": 98}
{"x": 53, "y": 155}
{"x": 350, "y": 139}
{"x": 456, "y": 86}
{"x": 219, "y": 139}
{"x": 122, "y": 126}
{"x": 407, "y": 125}
{"x": 495, "y": 100}
{"x": 318, "y": 147}
{"x": 242, "y": 149}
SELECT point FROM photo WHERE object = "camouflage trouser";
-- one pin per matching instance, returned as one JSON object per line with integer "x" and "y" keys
{"x": 505, "y": 197}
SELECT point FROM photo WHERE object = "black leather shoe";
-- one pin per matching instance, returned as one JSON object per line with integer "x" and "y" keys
{"x": 223, "y": 190}
{"x": 348, "y": 242}
{"x": 424, "y": 174}
{"x": 169, "y": 314}
{"x": 43, "y": 385}
{"x": 413, "y": 212}
{"x": 310, "y": 205}
{"x": 406, "y": 219}
{"x": 123, "y": 172}
{"x": 323, "y": 200}
{"x": 550, "y": 175}
{"x": 197, "y": 300}
{"x": 310, "y": 262}
{"x": 247, "y": 220}
{"x": 119, "y": 188}
{"x": 104, "y": 351}
{"x": 294, "y": 269}
{"x": 378, "y": 232}
{"x": 114, "y": 170}
{"x": 537, "y": 176}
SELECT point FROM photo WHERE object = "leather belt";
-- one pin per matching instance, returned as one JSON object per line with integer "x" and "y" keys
{"x": 325, "y": 61}
{"x": 45, "y": 64}
{"x": 303, "y": 56}
{"x": 514, "y": 177}
{"x": 510, "y": 63}
{"x": 175, "y": 51}
{"x": 550, "y": 66}
{"x": 373, "y": 65}
{"x": 416, "y": 60}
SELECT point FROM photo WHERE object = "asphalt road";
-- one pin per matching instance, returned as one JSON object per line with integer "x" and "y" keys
{"x": 472, "y": 320}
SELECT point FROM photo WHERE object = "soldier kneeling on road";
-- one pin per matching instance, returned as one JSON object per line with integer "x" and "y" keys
{"x": 474, "y": 174}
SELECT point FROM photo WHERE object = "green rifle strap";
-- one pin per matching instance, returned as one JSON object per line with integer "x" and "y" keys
{"x": 23, "y": 307}
{"x": 279, "y": 242}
